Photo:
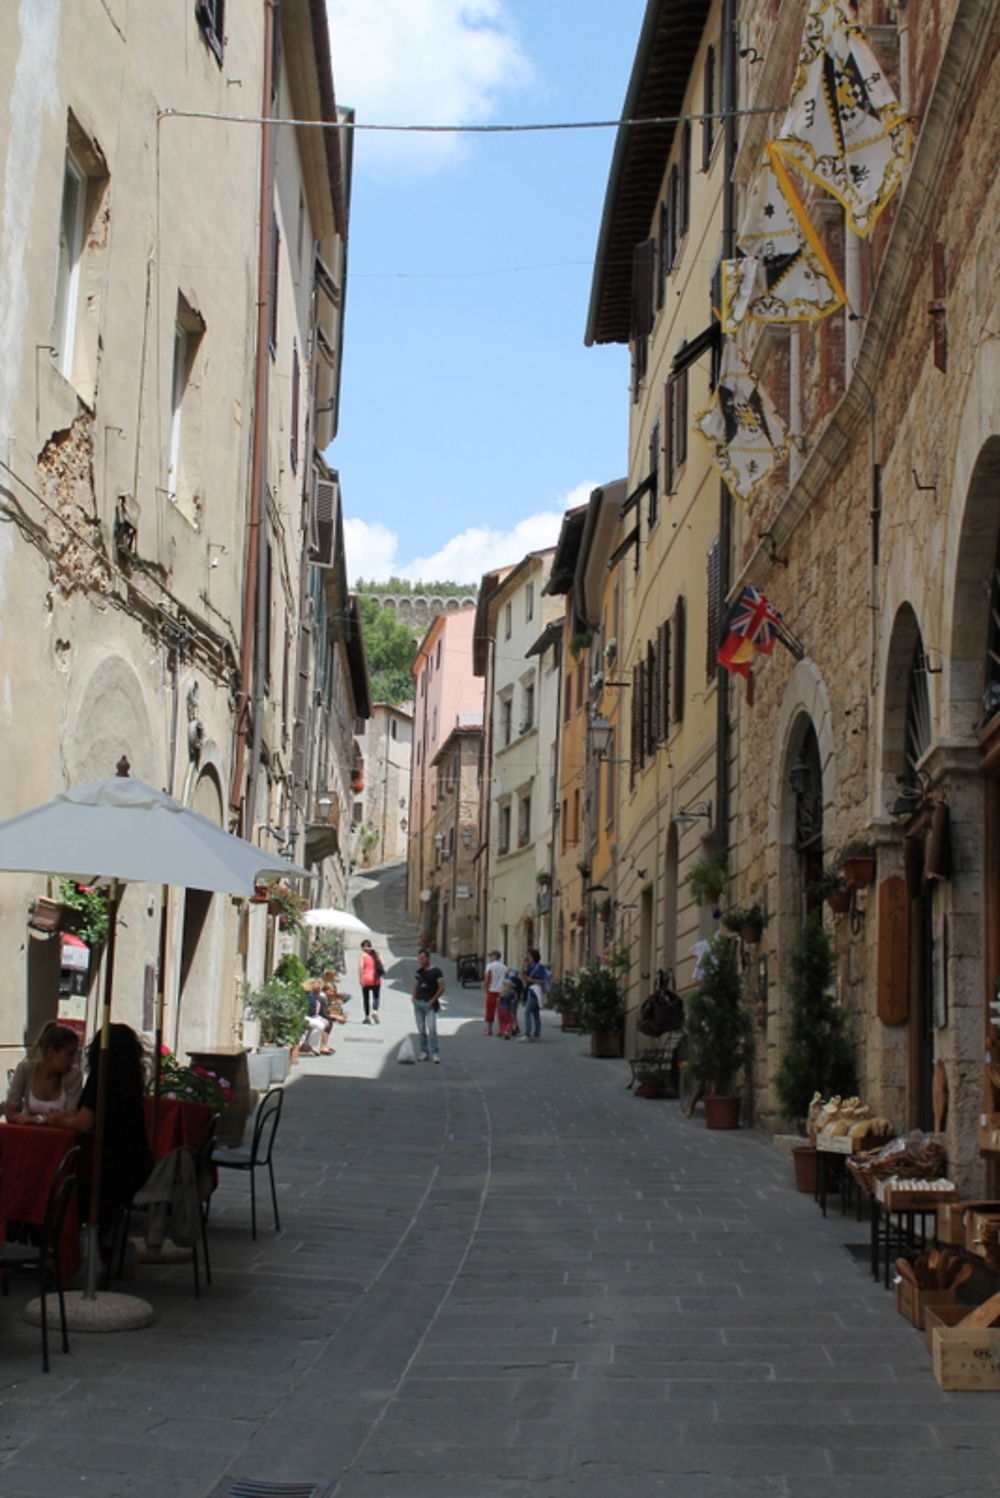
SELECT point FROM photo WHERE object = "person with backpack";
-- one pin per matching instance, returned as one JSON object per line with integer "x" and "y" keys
{"x": 370, "y": 971}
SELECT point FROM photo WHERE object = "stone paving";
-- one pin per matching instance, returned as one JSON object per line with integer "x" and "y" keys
{"x": 501, "y": 1277}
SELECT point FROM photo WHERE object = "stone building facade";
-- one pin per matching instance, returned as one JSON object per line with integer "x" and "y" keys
{"x": 169, "y": 369}
{"x": 878, "y": 541}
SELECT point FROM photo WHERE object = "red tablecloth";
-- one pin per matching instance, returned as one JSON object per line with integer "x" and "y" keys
{"x": 29, "y": 1158}
{"x": 177, "y": 1122}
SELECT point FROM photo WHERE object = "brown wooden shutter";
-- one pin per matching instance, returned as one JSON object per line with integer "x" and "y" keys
{"x": 681, "y": 418}
{"x": 272, "y": 284}
{"x": 669, "y": 458}
{"x": 893, "y": 979}
{"x": 680, "y": 648}
{"x": 665, "y": 648}
{"x": 635, "y": 752}
{"x": 643, "y": 257}
{"x": 713, "y": 624}
{"x": 684, "y": 195}
{"x": 652, "y": 686}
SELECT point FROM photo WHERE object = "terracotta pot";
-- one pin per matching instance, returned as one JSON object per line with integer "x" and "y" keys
{"x": 805, "y": 1158}
{"x": 650, "y": 1089}
{"x": 570, "y": 1020}
{"x": 859, "y": 872}
{"x": 839, "y": 900}
{"x": 750, "y": 934}
{"x": 606, "y": 1043}
{"x": 722, "y": 1112}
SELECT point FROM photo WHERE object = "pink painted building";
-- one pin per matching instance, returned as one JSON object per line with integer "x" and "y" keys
{"x": 446, "y": 696}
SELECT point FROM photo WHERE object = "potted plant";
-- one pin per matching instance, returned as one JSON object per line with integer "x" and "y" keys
{"x": 748, "y": 921}
{"x": 649, "y": 1082}
{"x": 830, "y": 886}
{"x": 706, "y": 878}
{"x": 562, "y": 998}
{"x": 719, "y": 1033}
{"x": 611, "y": 652}
{"x": 85, "y": 911}
{"x": 817, "y": 1055}
{"x": 280, "y": 1010}
{"x": 544, "y": 878}
{"x": 583, "y": 868}
{"x": 857, "y": 859}
{"x": 600, "y": 1004}
{"x": 288, "y": 905}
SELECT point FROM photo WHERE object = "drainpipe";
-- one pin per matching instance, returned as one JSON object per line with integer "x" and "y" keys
{"x": 729, "y": 144}
{"x": 253, "y": 592}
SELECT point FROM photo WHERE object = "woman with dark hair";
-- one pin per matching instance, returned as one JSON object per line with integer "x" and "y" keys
{"x": 126, "y": 1158}
{"x": 46, "y": 1084}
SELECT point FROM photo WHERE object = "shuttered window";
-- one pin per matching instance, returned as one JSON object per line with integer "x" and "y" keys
{"x": 714, "y": 618}
{"x": 664, "y": 646}
{"x": 211, "y": 17}
{"x": 294, "y": 440}
{"x": 654, "y": 474}
{"x": 642, "y": 288}
{"x": 680, "y": 657}
{"x": 651, "y": 704}
{"x": 684, "y": 189}
{"x": 708, "y": 106}
{"x": 272, "y": 285}
{"x": 635, "y": 725}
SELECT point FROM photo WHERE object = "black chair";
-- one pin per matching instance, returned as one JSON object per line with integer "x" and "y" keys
{"x": 44, "y": 1257}
{"x": 260, "y": 1151}
{"x": 204, "y": 1183}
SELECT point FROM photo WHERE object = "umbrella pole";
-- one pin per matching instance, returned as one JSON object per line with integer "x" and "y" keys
{"x": 100, "y": 1120}
{"x": 160, "y": 1007}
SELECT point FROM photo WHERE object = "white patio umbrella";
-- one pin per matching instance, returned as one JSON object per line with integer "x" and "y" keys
{"x": 336, "y": 920}
{"x": 126, "y": 831}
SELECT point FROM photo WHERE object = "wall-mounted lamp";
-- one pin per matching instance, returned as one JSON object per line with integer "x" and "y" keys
{"x": 909, "y": 796}
{"x": 693, "y": 814}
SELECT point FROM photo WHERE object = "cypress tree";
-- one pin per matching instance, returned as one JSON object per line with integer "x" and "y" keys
{"x": 818, "y": 1056}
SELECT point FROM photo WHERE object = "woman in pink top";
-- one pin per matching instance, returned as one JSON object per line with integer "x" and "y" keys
{"x": 370, "y": 972}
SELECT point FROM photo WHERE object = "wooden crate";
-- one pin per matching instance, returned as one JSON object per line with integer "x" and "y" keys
{"x": 974, "y": 1217}
{"x": 935, "y": 1316}
{"x": 914, "y": 1303}
{"x": 951, "y": 1223}
{"x": 967, "y": 1359}
{"x": 902, "y": 1199}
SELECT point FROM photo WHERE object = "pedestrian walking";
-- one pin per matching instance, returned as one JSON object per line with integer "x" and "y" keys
{"x": 496, "y": 971}
{"x": 370, "y": 970}
{"x": 428, "y": 986}
{"x": 506, "y": 1004}
{"x": 535, "y": 977}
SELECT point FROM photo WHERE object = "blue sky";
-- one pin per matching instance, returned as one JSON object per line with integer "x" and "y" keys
{"x": 472, "y": 414}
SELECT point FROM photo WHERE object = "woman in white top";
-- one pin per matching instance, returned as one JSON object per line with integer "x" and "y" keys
{"x": 48, "y": 1080}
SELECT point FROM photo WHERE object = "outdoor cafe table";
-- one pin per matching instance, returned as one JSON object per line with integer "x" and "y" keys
{"x": 178, "y": 1122}
{"x": 29, "y": 1158}
{"x": 30, "y": 1155}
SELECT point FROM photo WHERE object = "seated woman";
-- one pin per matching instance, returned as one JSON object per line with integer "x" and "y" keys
{"x": 126, "y": 1158}
{"x": 46, "y": 1085}
{"x": 317, "y": 1020}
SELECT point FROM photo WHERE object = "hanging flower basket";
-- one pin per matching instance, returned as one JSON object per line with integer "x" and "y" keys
{"x": 839, "y": 900}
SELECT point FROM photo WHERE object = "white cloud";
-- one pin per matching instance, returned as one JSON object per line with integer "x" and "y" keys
{"x": 428, "y": 62}
{"x": 372, "y": 549}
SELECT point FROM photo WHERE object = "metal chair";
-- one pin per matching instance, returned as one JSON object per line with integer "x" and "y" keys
{"x": 205, "y": 1177}
{"x": 44, "y": 1257}
{"x": 259, "y": 1154}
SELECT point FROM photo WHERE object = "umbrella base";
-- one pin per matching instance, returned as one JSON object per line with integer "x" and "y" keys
{"x": 107, "y": 1313}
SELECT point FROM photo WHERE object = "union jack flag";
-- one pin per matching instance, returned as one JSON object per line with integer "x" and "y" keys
{"x": 756, "y": 619}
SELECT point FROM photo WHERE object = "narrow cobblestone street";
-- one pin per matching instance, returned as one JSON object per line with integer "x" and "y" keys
{"x": 502, "y": 1277}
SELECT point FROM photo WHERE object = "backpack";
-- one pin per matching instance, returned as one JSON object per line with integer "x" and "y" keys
{"x": 662, "y": 1012}
{"x": 379, "y": 965}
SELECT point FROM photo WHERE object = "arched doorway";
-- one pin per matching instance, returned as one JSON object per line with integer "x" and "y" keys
{"x": 908, "y": 738}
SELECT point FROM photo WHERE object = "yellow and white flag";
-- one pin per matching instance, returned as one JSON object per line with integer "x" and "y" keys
{"x": 844, "y": 126}
{"x": 785, "y": 274}
{"x": 746, "y": 437}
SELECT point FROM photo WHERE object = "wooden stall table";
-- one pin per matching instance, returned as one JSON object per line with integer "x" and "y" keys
{"x": 29, "y": 1158}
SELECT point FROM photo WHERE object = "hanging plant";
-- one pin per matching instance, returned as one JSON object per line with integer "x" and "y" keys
{"x": 706, "y": 878}
{"x": 288, "y": 905}
{"x": 581, "y": 641}
{"x": 611, "y": 652}
{"x": 89, "y": 904}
